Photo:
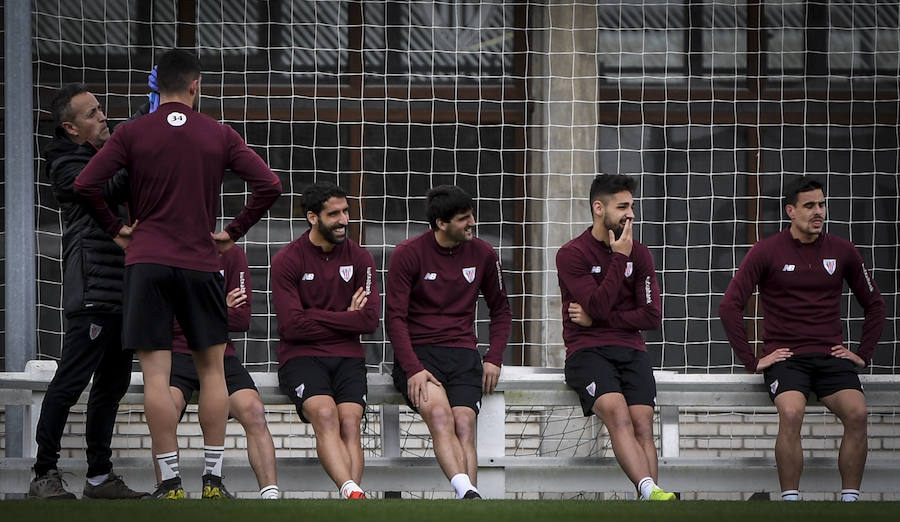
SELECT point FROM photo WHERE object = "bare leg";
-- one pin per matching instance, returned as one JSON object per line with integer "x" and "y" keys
{"x": 213, "y": 402}
{"x": 464, "y": 420}
{"x": 322, "y": 412}
{"x": 248, "y": 409}
{"x": 178, "y": 399}
{"x": 160, "y": 408}
{"x": 350, "y": 415}
{"x": 438, "y": 417}
{"x": 642, "y": 421}
{"x": 613, "y": 410}
{"x": 791, "y": 407}
{"x": 850, "y": 407}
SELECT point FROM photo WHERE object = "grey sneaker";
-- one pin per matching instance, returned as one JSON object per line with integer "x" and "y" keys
{"x": 111, "y": 488}
{"x": 49, "y": 486}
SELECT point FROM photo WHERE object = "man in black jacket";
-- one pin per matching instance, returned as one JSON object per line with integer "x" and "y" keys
{"x": 92, "y": 295}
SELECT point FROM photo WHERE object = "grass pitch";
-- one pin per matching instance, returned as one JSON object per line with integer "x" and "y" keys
{"x": 442, "y": 510}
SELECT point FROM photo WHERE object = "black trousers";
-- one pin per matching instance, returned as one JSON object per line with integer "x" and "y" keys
{"x": 92, "y": 345}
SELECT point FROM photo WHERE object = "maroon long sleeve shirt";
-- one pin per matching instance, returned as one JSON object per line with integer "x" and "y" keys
{"x": 800, "y": 286}
{"x": 312, "y": 289}
{"x": 176, "y": 159}
{"x": 431, "y": 296}
{"x": 620, "y": 293}
{"x": 233, "y": 266}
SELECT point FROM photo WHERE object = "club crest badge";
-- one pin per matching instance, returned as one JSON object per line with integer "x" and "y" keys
{"x": 830, "y": 265}
{"x": 774, "y": 386}
{"x": 94, "y": 331}
{"x": 629, "y": 268}
{"x": 299, "y": 390}
{"x": 176, "y": 119}
{"x": 591, "y": 388}
{"x": 469, "y": 273}
{"x": 346, "y": 273}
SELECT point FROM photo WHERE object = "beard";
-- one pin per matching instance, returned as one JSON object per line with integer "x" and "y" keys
{"x": 462, "y": 235}
{"x": 617, "y": 228}
{"x": 328, "y": 233}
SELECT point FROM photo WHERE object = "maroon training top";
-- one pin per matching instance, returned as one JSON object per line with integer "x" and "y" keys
{"x": 176, "y": 159}
{"x": 800, "y": 289}
{"x": 232, "y": 265}
{"x": 312, "y": 289}
{"x": 431, "y": 296}
{"x": 620, "y": 293}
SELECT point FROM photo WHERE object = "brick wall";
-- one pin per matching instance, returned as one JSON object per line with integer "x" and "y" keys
{"x": 530, "y": 432}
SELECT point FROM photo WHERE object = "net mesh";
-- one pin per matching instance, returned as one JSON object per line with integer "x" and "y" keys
{"x": 713, "y": 105}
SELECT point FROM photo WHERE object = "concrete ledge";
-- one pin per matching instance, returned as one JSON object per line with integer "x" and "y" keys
{"x": 522, "y": 474}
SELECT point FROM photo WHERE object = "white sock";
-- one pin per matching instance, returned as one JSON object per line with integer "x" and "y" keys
{"x": 349, "y": 487}
{"x": 646, "y": 486}
{"x": 849, "y": 495}
{"x": 100, "y": 479}
{"x": 168, "y": 465}
{"x": 269, "y": 492}
{"x": 790, "y": 494}
{"x": 462, "y": 484}
{"x": 213, "y": 457}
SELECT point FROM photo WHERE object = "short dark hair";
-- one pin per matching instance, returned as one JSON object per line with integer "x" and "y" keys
{"x": 801, "y": 184}
{"x": 611, "y": 184}
{"x": 176, "y": 70}
{"x": 446, "y": 201}
{"x": 61, "y": 104}
{"x": 315, "y": 196}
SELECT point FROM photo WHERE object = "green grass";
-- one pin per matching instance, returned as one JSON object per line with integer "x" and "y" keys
{"x": 456, "y": 511}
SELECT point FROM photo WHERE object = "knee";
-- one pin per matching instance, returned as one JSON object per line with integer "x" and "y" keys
{"x": 615, "y": 420}
{"x": 253, "y": 418}
{"x": 465, "y": 430}
{"x": 350, "y": 429}
{"x": 790, "y": 419}
{"x": 322, "y": 416}
{"x": 643, "y": 432}
{"x": 440, "y": 420}
{"x": 855, "y": 420}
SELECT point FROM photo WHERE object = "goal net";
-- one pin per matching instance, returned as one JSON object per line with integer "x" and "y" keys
{"x": 712, "y": 105}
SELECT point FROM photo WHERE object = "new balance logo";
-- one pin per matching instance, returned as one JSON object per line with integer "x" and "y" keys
{"x": 596, "y": 269}
{"x": 430, "y": 276}
{"x": 788, "y": 268}
{"x": 309, "y": 276}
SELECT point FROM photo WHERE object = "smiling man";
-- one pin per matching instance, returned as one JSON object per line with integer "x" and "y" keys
{"x": 433, "y": 284}
{"x": 800, "y": 274}
{"x": 609, "y": 294}
{"x": 325, "y": 290}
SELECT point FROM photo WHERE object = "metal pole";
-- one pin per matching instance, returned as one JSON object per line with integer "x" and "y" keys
{"x": 19, "y": 207}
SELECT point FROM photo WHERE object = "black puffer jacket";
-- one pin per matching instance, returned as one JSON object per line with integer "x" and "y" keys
{"x": 93, "y": 264}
